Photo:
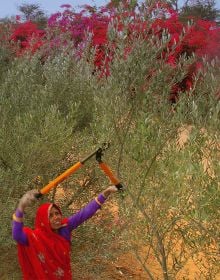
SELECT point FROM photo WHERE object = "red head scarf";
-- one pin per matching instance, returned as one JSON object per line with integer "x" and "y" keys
{"x": 47, "y": 255}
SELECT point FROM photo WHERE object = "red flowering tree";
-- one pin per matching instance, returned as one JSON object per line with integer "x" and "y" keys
{"x": 27, "y": 36}
{"x": 87, "y": 26}
{"x": 129, "y": 21}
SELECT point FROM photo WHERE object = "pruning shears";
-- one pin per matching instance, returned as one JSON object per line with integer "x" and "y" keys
{"x": 103, "y": 166}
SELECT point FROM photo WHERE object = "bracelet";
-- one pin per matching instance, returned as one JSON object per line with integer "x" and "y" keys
{"x": 16, "y": 219}
{"x": 98, "y": 202}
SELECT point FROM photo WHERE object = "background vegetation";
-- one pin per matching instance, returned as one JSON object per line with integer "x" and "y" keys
{"x": 63, "y": 94}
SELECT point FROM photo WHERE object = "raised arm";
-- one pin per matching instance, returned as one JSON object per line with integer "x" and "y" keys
{"x": 17, "y": 225}
{"x": 90, "y": 209}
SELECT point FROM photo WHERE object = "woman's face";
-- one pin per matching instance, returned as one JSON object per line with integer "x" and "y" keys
{"x": 55, "y": 218}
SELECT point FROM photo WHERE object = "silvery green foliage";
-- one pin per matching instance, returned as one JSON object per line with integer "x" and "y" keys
{"x": 171, "y": 193}
{"x": 47, "y": 107}
{"x": 42, "y": 105}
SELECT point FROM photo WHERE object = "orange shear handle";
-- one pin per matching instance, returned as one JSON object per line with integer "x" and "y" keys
{"x": 105, "y": 168}
{"x": 59, "y": 179}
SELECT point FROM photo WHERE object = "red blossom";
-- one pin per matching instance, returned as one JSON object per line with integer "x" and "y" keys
{"x": 202, "y": 38}
{"x": 100, "y": 35}
{"x": 24, "y": 34}
{"x": 17, "y": 18}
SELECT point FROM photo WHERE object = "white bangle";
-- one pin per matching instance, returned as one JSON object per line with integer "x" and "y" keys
{"x": 98, "y": 202}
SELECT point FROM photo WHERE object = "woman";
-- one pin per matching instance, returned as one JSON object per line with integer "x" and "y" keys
{"x": 44, "y": 252}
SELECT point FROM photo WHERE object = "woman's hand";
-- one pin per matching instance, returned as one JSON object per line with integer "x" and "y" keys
{"x": 27, "y": 199}
{"x": 109, "y": 190}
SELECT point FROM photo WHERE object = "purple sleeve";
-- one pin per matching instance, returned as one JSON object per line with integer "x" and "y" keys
{"x": 85, "y": 213}
{"x": 17, "y": 230}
